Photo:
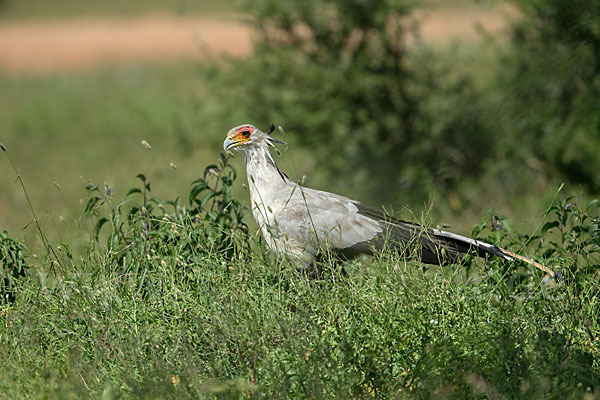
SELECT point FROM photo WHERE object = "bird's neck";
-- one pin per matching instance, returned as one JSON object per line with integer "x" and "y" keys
{"x": 263, "y": 173}
{"x": 261, "y": 166}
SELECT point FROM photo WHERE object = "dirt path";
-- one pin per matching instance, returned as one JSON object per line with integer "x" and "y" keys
{"x": 52, "y": 46}
{"x": 74, "y": 44}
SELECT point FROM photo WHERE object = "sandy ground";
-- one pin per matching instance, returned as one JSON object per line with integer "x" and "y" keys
{"x": 82, "y": 43}
{"x": 51, "y": 46}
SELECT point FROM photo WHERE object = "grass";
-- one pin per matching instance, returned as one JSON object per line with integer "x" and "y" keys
{"x": 65, "y": 131}
{"x": 177, "y": 301}
{"x": 161, "y": 319}
{"x": 28, "y": 9}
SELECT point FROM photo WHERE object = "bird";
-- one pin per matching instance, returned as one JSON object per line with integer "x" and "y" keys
{"x": 299, "y": 222}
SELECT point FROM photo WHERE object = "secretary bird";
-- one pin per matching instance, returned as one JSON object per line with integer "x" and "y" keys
{"x": 298, "y": 222}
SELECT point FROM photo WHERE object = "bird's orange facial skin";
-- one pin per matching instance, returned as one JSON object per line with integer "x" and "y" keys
{"x": 238, "y": 137}
{"x": 243, "y": 134}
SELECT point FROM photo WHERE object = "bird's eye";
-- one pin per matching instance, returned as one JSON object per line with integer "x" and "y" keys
{"x": 245, "y": 133}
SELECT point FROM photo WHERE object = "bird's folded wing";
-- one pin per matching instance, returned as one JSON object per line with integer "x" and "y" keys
{"x": 325, "y": 219}
{"x": 320, "y": 219}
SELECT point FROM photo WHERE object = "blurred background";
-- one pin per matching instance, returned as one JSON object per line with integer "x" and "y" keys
{"x": 455, "y": 107}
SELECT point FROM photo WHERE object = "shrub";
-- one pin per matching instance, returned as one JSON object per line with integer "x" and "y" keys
{"x": 13, "y": 266}
{"x": 184, "y": 310}
{"x": 141, "y": 225}
{"x": 568, "y": 242}
{"x": 550, "y": 83}
{"x": 342, "y": 79}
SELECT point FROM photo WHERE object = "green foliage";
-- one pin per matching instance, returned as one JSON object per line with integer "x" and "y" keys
{"x": 568, "y": 241}
{"x": 576, "y": 245}
{"x": 212, "y": 202}
{"x": 341, "y": 76}
{"x": 177, "y": 305}
{"x": 13, "y": 266}
{"x": 212, "y": 223}
{"x": 388, "y": 117}
{"x": 23, "y": 9}
{"x": 195, "y": 324}
{"x": 550, "y": 82}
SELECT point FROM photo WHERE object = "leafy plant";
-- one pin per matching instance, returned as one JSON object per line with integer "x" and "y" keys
{"x": 212, "y": 202}
{"x": 13, "y": 266}
{"x": 568, "y": 242}
{"x": 142, "y": 224}
{"x": 572, "y": 238}
{"x": 349, "y": 87}
{"x": 550, "y": 88}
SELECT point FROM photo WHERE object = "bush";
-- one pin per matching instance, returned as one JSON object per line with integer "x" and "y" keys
{"x": 176, "y": 305}
{"x": 13, "y": 266}
{"x": 212, "y": 223}
{"x": 339, "y": 76}
{"x": 384, "y": 117}
{"x": 550, "y": 84}
{"x": 568, "y": 242}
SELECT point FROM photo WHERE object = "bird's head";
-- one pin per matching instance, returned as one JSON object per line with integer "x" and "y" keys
{"x": 246, "y": 135}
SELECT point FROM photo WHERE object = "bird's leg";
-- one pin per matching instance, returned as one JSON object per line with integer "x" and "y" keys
{"x": 327, "y": 258}
{"x": 312, "y": 269}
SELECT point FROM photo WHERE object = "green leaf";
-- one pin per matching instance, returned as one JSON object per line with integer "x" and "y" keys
{"x": 132, "y": 191}
{"x": 591, "y": 203}
{"x": 90, "y": 205}
{"x": 209, "y": 167}
{"x": 196, "y": 190}
{"x": 90, "y": 187}
{"x": 549, "y": 225}
{"x": 98, "y": 226}
{"x": 207, "y": 197}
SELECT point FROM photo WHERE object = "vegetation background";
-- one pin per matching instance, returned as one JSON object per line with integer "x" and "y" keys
{"x": 133, "y": 271}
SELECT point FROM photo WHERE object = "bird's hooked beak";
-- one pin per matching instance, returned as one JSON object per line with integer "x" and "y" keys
{"x": 229, "y": 143}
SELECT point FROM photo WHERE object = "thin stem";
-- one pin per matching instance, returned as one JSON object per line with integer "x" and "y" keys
{"x": 45, "y": 241}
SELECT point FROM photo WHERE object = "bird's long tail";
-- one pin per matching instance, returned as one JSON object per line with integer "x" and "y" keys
{"x": 438, "y": 247}
{"x": 553, "y": 274}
